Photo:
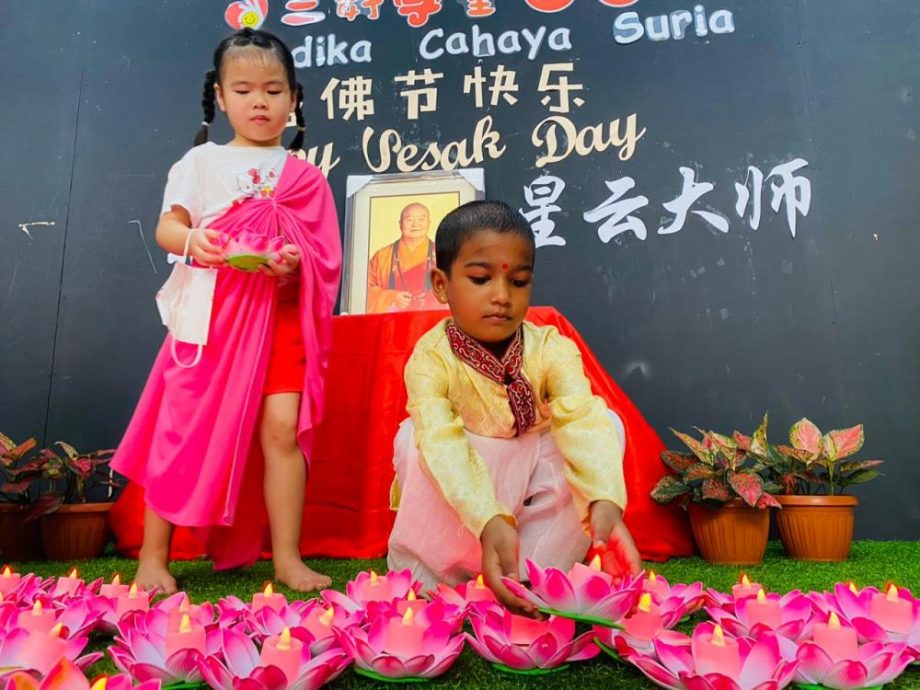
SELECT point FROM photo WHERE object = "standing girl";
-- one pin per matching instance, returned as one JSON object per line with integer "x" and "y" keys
{"x": 221, "y": 446}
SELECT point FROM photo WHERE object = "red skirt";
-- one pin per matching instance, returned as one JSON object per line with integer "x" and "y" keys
{"x": 287, "y": 361}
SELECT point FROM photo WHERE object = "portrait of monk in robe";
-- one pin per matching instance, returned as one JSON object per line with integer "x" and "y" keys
{"x": 399, "y": 274}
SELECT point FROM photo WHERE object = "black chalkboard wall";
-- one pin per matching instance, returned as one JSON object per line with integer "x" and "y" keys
{"x": 702, "y": 318}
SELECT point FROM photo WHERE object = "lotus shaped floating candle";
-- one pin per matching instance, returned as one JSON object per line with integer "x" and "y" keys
{"x": 9, "y": 581}
{"x": 834, "y": 660}
{"x": 745, "y": 588}
{"x": 178, "y": 605}
{"x": 115, "y": 588}
{"x": 790, "y": 615}
{"x": 369, "y": 586}
{"x": 310, "y": 622}
{"x": 400, "y": 647}
{"x": 68, "y": 585}
{"x": 585, "y": 593}
{"x": 687, "y": 598}
{"x": 37, "y": 653}
{"x": 22, "y": 589}
{"x": 238, "y": 664}
{"x": 889, "y": 616}
{"x": 517, "y": 644}
{"x": 465, "y": 593}
{"x": 423, "y": 611}
{"x": 712, "y": 660}
{"x": 248, "y": 251}
{"x": 65, "y": 675}
{"x": 142, "y": 649}
{"x": 269, "y": 598}
{"x": 640, "y": 628}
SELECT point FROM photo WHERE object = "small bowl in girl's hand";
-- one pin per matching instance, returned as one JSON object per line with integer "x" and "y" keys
{"x": 247, "y": 253}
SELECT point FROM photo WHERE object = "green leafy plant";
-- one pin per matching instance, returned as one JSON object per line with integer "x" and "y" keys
{"x": 67, "y": 475}
{"x": 812, "y": 464}
{"x": 19, "y": 468}
{"x": 715, "y": 472}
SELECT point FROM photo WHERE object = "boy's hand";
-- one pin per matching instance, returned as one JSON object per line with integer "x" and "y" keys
{"x": 609, "y": 533}
{"x": 287, "y": 263}
{"x": 500, "y": 558}
{"x": 204, "y": 247}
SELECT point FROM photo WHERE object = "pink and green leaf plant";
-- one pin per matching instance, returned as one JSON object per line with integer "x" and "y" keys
{"x": 33, "y": 652}
{"x": 585, "y": 593}
{"x": 139, "y": 650}
{"x": 65, "y": 675}
{"x": 369, "y": 586}
{"x": 682, "y": 664}
{"x": 400, "y": 647}
{"x": 519, "y": 644}
{"x": 236, "y": 665}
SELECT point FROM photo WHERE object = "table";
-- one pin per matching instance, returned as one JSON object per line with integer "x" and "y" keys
{"x": 347, "y": 510}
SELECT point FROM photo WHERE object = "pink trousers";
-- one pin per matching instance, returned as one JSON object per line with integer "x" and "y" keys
{"x": 527, "y": 475}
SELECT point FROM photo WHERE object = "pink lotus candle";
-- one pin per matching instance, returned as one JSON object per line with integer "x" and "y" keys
{"x": 49, "y": 648}
{"x": 580, "y": 573}
{"x": 134, "y": 600}
{"x": 838, "y": 642}
{"x": 525, "y": 630}
{"x": 375, "y": 588}
{"x": 68, "y": 584}
{"x": 37, "y": 619}
{"x": 402, "y": 636}
{"x": 410, "y": 602}
{"x": 186, "y": 636}
{"x": 319, "y": 622}
{"x": 268, "y": 597}
{"x": 716, "y": 653}
{"x": 645, "y": 623}
{"x": 897, "y": 613}
{"x": 476, "y": 590}
{"x": 764, "y": 611}
{"x": 656, "y": 585}
{"x": 745, "y": 588}
{"x": 284, "y": 652}
{"x": 8, "y": 580}
{"x": 115, "y": 589}
{"x": 175, "y": 616}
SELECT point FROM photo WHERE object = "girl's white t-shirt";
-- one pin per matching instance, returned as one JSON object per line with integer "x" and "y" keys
{"x": 210, "y": 178}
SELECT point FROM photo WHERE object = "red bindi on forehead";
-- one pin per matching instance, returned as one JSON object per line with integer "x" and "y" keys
{"x": 504, "y": 266}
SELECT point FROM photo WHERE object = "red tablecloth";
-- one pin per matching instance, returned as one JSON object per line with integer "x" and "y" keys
{"x": 347, "y": 508}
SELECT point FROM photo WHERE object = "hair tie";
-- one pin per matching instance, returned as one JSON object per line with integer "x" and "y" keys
{"x": 300, "y": 128}
{"x": 205, "y": 123}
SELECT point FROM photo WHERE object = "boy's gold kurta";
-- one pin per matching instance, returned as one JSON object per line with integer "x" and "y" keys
{"x": 446, "y": 396}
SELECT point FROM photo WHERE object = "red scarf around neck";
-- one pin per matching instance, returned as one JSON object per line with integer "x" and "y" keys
{"x": 508, "y": 372}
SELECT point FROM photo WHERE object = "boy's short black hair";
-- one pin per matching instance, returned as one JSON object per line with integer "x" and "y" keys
{"x": 466, "y": 220}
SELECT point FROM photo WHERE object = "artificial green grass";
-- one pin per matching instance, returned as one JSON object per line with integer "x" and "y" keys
{"x": 870, "y": 563}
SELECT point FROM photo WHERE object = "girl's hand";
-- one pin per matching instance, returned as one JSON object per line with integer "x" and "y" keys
{"x": 611, "y": 538}
{"x": 287, "y": 263}
{"x": 500, "y": 558}
{"x": 204, "y": 247}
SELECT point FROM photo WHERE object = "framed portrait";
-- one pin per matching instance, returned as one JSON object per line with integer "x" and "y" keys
{"x": 390, "y": 223}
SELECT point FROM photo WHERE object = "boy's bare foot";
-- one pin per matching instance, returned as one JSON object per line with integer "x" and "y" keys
{"x": 294, "y": 573}
{"x": 153, "y": 572}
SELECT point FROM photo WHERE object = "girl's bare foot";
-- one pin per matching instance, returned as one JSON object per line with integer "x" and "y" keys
{"x": 154, "y": 572}
{"x": 294, "y": 573}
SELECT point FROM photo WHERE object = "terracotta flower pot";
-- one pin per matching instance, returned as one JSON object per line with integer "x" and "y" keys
{"x": 76, "y": 531}
{"x": 732, "y": 534}
{"x": 18, "y": 541}
{"x": 816, "y": 528}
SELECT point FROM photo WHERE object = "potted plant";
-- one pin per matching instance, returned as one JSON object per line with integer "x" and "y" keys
{"x": 721, "y": 487}
{"x": 816, "y": 523}
{"x": 19, "y": 540}
{"x": 72, "y": 527}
